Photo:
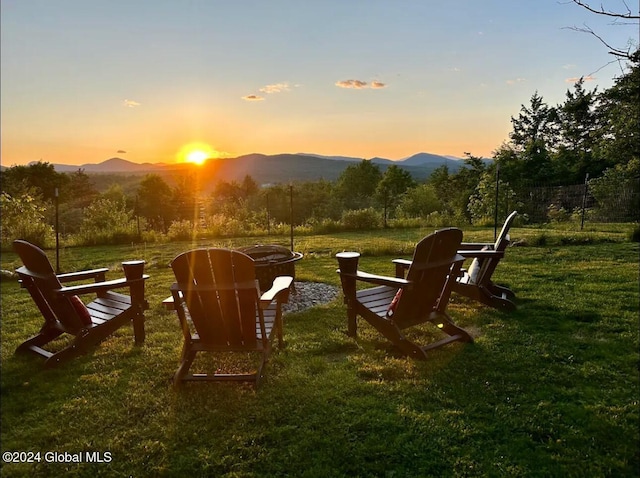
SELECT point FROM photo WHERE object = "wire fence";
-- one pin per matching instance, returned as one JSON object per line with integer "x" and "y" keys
{"x": 582, "y": 202}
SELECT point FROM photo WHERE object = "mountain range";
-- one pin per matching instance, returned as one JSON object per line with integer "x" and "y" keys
{"x": 269, "y": 168}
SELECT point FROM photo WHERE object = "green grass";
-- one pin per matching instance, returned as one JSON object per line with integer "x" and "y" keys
{"x": 548, "y": 390}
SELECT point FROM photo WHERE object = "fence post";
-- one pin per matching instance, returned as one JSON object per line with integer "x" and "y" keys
{"x": 584, "y": 199}
{"x": 268, "y": 217}
{"x": 291, "y": 212}
{"x": 57, "y": 233}
{"x": 495, "y": 213}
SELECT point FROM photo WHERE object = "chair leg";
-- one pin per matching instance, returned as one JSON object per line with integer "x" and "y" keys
{"x": 188, "y": 356}
{"x": 138, "y": 329}
{"x": 352, "y": 325}
{"x": 35, "y": 343}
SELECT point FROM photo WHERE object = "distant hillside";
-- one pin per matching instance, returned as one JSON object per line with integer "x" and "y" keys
{"x": 265, "y": 169}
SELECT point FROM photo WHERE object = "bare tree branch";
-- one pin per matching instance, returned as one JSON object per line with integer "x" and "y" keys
{"x": 629, "y": 53}
{"x": 628, "y": 15}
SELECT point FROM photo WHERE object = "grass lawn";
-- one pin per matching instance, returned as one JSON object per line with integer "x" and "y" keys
{"x": 551, "y": 389}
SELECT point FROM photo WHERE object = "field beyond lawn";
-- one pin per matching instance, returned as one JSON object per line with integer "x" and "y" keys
{"x": 551, "y": 389}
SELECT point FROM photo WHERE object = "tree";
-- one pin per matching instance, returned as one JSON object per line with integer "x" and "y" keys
{"x": 419, "y": 201}
{"x": 357, "y": 184}
{"x": 619, "y": 118}
{"x": 38, "y": 178}
{"x": 107, "y": 221}
{"x": 394, "y": 183}
{"x": 79, "y": 190}
{"x": 533, "y": 137}
{"x": 577, "y": 129}
{"x": 155, "y": 202}
{"x": 185, "y": 199}
{"x": 23, "y": 218}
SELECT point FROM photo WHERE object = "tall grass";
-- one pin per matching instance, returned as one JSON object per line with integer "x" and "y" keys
{"x": 548, "y": 390}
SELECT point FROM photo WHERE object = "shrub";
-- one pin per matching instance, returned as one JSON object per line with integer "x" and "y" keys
{"x": 557, "y": 213}
{"x": 23, "y": 218}
{"x": 181, "y": 231}
{"x": 361, "y": 219}
{"x": 107, "y": 222}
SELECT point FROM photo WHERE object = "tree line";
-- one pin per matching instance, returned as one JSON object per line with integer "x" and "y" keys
{"x": 590, "y": 136}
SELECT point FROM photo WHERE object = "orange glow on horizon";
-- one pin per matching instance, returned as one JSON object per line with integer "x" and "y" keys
{"x": 196, "y": 153}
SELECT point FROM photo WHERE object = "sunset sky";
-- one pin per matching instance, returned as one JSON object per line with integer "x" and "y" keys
{"x": 83, "y": 81}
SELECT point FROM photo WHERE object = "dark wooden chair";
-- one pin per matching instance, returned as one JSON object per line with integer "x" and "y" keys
{"x": 476, "y": 281}
{"x": 398, "y": 303}
{"x": 220, "y": 309}
{"x": 65, "y": 313}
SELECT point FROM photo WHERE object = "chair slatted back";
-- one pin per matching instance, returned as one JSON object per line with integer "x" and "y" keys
{"x": 488, "y": 266}
{"x": 503, "y": 238}
{"x": 431, "y": 275}
{"x": 221, "y": 294}
{"x": 39, "y": 278}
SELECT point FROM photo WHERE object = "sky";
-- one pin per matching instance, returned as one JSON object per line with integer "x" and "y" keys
{"x": 83, "y": 81}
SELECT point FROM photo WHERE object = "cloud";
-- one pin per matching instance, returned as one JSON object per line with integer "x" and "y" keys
{"x": 569, "y": 66}
{"x": 576, "y": 79}
{"x": 356, "y": 84}
{"x": 377, "y": 85}
{"x": 131, "y": 103}
{"x": 517, "y": 80}
{"x": 121, "y": 151}
{"x": 253, "y": 98}
{"x": 275, "y": 88}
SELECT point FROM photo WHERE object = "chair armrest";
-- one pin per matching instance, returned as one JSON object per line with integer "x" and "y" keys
{"x": 404, "y": 263}
{"x": 376, "y": 279}
{"x": 98, "y": 286}
{"x": 482, "y": 254}
{"x": 279, "y": 291}
{"x": 475, "y": 246}
{"x": 82, "y": 275}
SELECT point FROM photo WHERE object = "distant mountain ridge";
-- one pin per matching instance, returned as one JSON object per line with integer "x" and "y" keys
{"x": 119, "y": 165}
{"x": 265, "y": 169}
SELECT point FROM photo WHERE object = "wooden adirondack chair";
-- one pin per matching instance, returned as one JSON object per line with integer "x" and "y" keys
{"x": 399, "y": 303}
{"x": 216, "y": 297}
{"x": 64, "y": 312}
{"x": 476, "y": 282}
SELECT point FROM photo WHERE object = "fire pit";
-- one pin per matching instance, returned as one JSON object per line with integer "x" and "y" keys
{"x": 271, "y": 261}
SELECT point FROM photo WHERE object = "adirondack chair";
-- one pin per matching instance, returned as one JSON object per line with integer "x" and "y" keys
{"x": 220, "y": 309}
{"x": 476, "y": 282}
{"x": 65, "y": 313}
{"x": 398, "y": 303}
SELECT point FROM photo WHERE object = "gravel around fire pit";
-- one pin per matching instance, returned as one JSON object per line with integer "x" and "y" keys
{"x": 309, "y": 294}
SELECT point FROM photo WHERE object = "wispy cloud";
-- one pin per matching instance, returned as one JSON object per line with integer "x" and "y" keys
{"x": 253, "y": 98}
{"x": 360, "y": 84}
{"x": 517, "y": 80}
{"x": 275, "y": 88}
{"x": 131, "y": 103}
{"x": 577, "y": 78}
{"x": 569, "y": 66}
{"x": 355, "y": 84}
{"x": 121, "y": 151}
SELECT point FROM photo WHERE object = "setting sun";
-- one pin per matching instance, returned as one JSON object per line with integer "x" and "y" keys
{"x": 196, "y": 153}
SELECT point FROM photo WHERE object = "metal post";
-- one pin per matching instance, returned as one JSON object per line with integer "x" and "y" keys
{"x": 495, "y": 213}
{"x": 268, "y": 217}
{"x": 584, "y": 199}
{"x": 57, "y": 233}
{"x": 291, "y": 213}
